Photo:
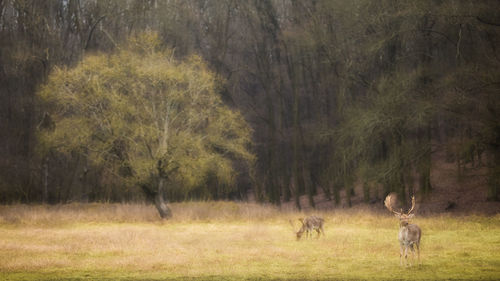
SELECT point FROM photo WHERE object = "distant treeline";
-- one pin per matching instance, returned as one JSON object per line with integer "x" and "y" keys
{"x": 336, "y": 92}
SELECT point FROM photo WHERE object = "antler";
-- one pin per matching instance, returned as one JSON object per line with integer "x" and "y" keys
{"x": 412, "y": 204}
{"x": 387, "y": 203}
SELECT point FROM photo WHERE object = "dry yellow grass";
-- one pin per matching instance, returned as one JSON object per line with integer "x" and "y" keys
{"x": 225, "y": 240}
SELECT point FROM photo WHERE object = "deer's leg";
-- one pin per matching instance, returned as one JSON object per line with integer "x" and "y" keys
{"x": 412, "y": 254}
{"x": 405, "y": 255}
{"x": 401, "y": 252}
{"x": 418, "y": 251}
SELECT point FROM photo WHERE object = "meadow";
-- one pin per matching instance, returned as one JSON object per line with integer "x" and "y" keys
{"x": 235, "y": 241}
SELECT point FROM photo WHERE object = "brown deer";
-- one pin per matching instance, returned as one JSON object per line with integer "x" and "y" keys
{"x": 309, "y": 224}
{"x": 409, "y": 234}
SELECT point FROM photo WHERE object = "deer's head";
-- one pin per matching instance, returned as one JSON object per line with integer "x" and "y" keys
{"x": 301, "y": 230}
{"x": 404, "y": 218}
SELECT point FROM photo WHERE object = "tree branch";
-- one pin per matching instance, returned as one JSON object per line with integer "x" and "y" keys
{"x": 487, "y": 22}
{"x": 92, "y": 31}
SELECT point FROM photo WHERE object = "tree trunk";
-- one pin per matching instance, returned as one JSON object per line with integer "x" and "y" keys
{"x": 45, "y": 190}
{"x": 296, "y": 193}
{"x": 426, "y": 165}
{"x": 336, "y": 192}
{"x": 348, "y": 193}
{"x": 161, "y": 205}
{"x": 83, "y": 181}
{"x": 366, "y": 192}
{"x": 310, "y": 192}
{"x": 493, "y": 171}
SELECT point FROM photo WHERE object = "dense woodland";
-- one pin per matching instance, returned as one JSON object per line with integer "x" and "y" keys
{"x": 319, "y": 95}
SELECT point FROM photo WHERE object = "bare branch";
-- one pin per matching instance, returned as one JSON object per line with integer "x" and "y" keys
{"x": 487, "y": 22}
{"x": 92, "y": 31}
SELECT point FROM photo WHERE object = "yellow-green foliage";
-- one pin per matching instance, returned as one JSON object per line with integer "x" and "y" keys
{"x": 140, "y": 105}
{"x": 230, "y": 241}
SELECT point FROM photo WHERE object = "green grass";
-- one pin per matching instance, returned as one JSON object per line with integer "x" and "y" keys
{"x": 228, "y": 241}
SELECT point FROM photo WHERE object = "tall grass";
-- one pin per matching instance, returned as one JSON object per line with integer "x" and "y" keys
{"x": 97, "y": 212}
{"x": 234, "y": 241}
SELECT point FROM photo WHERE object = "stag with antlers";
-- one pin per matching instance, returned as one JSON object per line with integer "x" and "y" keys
{"x": 409, "y": 234}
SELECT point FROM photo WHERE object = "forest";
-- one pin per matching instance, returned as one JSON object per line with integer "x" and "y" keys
{"x": 126, "y": 101}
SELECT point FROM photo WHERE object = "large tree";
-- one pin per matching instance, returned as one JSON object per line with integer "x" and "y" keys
{"x": 147, "y": 118}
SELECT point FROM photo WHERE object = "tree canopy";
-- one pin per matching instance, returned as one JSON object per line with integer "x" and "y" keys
{"x": 141, "y": 114}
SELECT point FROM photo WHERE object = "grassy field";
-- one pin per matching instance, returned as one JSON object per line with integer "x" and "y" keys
{"x": 229, "y": 241}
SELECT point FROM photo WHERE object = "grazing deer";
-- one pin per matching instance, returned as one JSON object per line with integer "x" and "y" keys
{"x": 309, "y": 224}
{"x": 409, "y": 234}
